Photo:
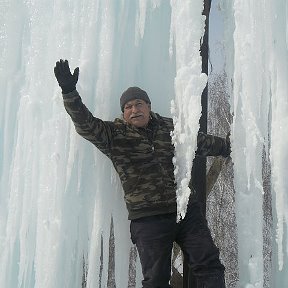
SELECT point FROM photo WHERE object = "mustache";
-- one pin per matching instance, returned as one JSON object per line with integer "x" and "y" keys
{"x": 136, "y": 115}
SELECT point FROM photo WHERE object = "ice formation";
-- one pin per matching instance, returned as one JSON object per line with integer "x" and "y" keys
{"x": 58, "y": 194}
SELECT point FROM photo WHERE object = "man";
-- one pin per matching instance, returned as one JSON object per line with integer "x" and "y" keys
{"x": 140, "y": 148}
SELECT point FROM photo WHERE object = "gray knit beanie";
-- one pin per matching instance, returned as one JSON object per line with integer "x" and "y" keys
{"x": 133, "y": 93}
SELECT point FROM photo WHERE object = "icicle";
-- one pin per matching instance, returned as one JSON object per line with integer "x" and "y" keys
{"x": 279, "y": 124}
{"x": 250, "y": 93}
{"x": 187, "y": 28}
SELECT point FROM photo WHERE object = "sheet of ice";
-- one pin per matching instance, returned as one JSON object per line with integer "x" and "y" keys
{"x": 258, "y": 71}
{"x": 250, "y": 124}
{"x": 187, "y": 28}
{"x": 58, "y": 194}
{"x": 279, "y": 121}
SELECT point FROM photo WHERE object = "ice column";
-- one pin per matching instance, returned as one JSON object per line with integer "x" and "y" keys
{"x": 187, "y": 28}
{"x": 279, "y": 123}
{"x": 260, "y": 107}
{"x": 250, "y": 134}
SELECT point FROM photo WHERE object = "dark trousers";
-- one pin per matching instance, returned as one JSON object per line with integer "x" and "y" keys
{"x": 154, "y": 237}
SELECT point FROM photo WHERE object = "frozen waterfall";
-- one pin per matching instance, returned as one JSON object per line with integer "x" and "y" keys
{"x": 63, "y": 221}
{"x": 257, "y": 64}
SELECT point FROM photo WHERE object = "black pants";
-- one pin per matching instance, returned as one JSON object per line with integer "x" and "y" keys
{"x": 154, "y": 237}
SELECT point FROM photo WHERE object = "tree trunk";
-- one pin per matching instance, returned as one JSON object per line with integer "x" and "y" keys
{"x": 199, "y": 164}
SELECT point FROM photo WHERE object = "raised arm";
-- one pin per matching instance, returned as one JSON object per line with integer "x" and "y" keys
{"x": 91, "y": 128}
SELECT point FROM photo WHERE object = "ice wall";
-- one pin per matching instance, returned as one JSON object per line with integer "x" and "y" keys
{"x": 256, "y": 62}
{"x": 57, "y": 192}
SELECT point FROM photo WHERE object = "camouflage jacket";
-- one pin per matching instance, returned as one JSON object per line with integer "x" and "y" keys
{"x": 141, "y": 157}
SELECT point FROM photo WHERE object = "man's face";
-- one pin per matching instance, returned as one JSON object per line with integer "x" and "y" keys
{"x": 137, "y": 113}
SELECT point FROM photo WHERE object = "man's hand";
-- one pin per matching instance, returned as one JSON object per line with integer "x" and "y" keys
{"x": 65, "y": 79}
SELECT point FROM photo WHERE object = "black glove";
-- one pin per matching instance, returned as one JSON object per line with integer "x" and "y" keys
{"x": 66, "y": 80}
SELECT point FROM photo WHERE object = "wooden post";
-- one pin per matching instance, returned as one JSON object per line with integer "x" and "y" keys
{"x": 199, "y": 164}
